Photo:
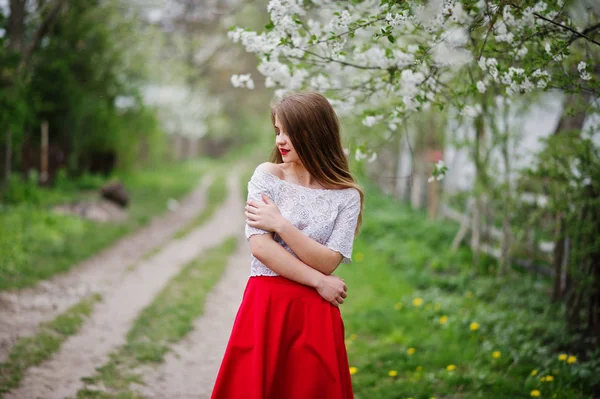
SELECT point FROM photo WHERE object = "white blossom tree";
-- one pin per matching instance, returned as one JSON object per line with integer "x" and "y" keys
{"x": 387, "y": 59}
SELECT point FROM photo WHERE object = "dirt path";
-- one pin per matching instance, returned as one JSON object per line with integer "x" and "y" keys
{"x": 190, "y": 369}
{"x": 23, "y": 311}
{"x": 107, "y": 327}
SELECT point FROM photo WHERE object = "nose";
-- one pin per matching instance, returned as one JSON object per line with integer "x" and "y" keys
{"x": 280, "y": 139}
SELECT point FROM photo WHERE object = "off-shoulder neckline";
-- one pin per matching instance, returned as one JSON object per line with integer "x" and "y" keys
{"x": 301, "y": 186}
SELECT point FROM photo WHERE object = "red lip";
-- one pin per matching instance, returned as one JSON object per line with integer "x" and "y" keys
{"x": 283, "y": 152}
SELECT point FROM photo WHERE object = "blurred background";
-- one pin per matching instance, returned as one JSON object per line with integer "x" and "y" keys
{"x": 121, "y": 135}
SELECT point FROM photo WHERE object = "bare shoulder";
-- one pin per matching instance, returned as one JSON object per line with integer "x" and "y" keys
{"x": 271, "y": 168}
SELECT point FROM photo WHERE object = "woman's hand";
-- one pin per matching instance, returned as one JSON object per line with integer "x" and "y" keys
{"x": 332, "y": 289}
{"x": 264, "y": 215}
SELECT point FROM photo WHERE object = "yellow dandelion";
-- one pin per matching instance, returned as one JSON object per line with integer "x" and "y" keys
{"x": 549, "y": 378}
{"x": 474, "y": 326}
{"x": 411, "y": 351}
{"x": 443, "y": 319}
{"x": 469, "y": 294}
{"x": 496, "y": 354}
{"x": 432, "y": 397}
{"x": 562, "y": 357}
{"x": 571, "y": 359}
{"x": 392, "y": 373}
{"x": 398, "y": 306}
{"x": 535, "y": 393}
{"x": 417, "y": 301}
{"x": 436, "y": 306}
{"x": 450, "y": 367}
{"x": 359, "y": 256}
{"x": 534, "y": 372}
{"x": 353, "y": 337}
{"x": 353, "y": 370}
{"x": 419, "y": 368}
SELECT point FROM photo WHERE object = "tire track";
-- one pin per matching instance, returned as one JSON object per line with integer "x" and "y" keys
{"x": 23, "y": 311}
{"x": 107, "y": 327}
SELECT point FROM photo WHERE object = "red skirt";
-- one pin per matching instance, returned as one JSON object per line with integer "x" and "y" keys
{"x": 287, "y": 342}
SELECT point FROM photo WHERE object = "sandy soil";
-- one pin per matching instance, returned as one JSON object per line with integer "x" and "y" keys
{"x": 130, "y": 293}
{"x": 22, "y": 311}
{"x": 189, "y": 371}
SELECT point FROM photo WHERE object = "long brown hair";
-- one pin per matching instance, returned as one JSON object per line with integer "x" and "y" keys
{"x": 314, "y": 129}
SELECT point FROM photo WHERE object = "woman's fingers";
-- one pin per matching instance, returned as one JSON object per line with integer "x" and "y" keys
{"x": 251, "y": 209}
{"x": 343, "y": 294}
{"x": 339, "y": 299}
{"x": 250, "y": 216}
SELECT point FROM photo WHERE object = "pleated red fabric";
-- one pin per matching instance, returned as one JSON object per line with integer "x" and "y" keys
{"x": 287, "y": 343}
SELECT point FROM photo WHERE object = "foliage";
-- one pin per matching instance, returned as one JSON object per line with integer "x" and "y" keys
{"x": 419, "y": 325}
{"x": 37, "y": 242}
{"x": 31, "y": 351}
{"x": 88, "y": 62}
{"x": 389, "y": 59}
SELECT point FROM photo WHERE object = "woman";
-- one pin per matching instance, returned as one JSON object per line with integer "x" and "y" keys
{"x": 302, "y": 214}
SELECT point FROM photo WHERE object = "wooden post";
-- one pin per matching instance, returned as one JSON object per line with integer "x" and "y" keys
{"x": 44, "y": 154}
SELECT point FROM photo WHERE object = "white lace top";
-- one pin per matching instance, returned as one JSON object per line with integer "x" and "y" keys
{"x": 327, "y": 216}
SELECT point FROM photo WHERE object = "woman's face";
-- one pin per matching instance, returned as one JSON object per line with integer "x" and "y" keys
{"x": 284, "y": 144}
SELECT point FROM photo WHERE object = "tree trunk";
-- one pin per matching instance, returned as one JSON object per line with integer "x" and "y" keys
{"x": 16, "y": 25}
{"x": 8, "y": 158}
{"x": 479, "y": 185}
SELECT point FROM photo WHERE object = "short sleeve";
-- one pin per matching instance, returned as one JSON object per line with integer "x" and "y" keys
{"x": 259, "y": 182}
{"x": 342, "y": 236}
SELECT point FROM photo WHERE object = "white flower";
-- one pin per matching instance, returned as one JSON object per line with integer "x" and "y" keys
{"x": 481, "y": 86}
{"x": 431, "y": 179}
{"x": 242, "y": 81}
{"x": 522, "y": 51}
{"x": 440, "y": 177}
{"x": 346, "y": 152}
{"x": 582, "y": 72}
{"x": 440, "y": 164}
{"x": 412, "y": 48}
{"x": 373, "y": 157}
{"x": 235, "y": 34}
{"x": 471, "y": 112}
{"x": 371, "y": 121}
{"x": 359, "y": 155}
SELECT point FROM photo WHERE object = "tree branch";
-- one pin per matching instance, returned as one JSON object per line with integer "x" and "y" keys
{"x": 55, "y": 8}
{"x": 579, "y": 34}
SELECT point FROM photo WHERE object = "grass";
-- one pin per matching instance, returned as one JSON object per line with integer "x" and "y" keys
{"x": 37, "y": 243}
{"x": 31, "y": 351}
{"x": 217, "y": 193}
{"x": 420, "y": 324}
{"x": 164, "y": 322}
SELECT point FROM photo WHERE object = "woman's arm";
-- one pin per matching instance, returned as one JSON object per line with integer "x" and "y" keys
{"x": 314, "y": 254}
{"x": 275, "y": 257}
{"x": 324, "y": 258}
